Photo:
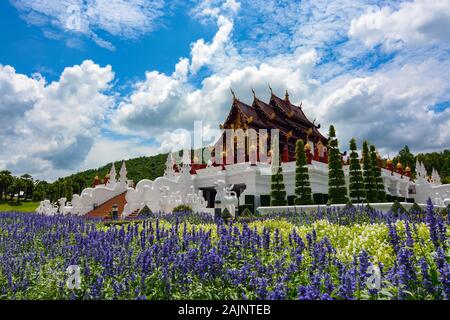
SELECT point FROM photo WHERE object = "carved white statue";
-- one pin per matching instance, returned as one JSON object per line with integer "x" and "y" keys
{"x": 225, "y": 197}
{"x": 47, "y": 208}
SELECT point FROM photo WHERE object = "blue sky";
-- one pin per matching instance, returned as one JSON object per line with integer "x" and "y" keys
{"x": 83, "y": 83}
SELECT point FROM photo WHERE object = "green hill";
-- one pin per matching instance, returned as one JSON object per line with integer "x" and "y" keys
{"x": 137, "y": 168}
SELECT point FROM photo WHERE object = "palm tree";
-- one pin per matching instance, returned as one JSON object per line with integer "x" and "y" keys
{"x": 5, "y": 182}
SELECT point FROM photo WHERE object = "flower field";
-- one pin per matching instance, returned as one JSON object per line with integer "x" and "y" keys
{"x": 348, "y": 254}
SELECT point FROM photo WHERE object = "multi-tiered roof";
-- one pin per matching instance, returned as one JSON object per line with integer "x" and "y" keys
{"x": 277, "y": 114}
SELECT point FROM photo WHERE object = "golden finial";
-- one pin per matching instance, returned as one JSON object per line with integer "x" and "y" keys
{"x": 286, "y": 96}
{"x": 407, "y": 169}
{"x": 399, "y": 165}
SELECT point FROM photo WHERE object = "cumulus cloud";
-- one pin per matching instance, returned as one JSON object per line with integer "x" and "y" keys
{"x": 215, "y": 52}
{"x": 162, "y": 103}
{"x": 414, "y": 23}
{"x": 52, "y": 126}
{"x": 106, "y": 149}
{"x": 125, "y": 19}
{"x": 391, "y": 107}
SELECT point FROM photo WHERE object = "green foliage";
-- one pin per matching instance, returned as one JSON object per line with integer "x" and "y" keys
{"x": 349, "y": 205}
{"x": 243, "y": 207}
{"x": 264, "y": 200}
{"x": 246, "y": 213}
{"x": 438, "y": 160}
{"x": 302, "y": 185}
{"x": 28, "y": 206}
{"x": 356, "y": 181}
{"x": 145, "y": 212}
{"x": 415, "y": 209}
{"x": 368, "y": 208}
{"x": 406, "y": 158}
{"x": 397, "y": 208}
{"x": 249, "y": 199}
{"x": 379, "y": 184}
{"x": 226, "y": 214}
{"x": 337, "y": 191}
{"x": 369, "y": 178}
{"x": 320, "y": 198}
{"x": 278, "y": 192}
{"x": 182, "y": 208}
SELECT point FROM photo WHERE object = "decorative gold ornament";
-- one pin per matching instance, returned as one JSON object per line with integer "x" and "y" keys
{"x": 307, "y": 147}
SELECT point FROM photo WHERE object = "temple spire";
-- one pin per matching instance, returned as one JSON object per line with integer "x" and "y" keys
{"x": 254, "y": 94}
{"x": 271, "y": 92}
{"x": 232, "y": 93}
{"x": 123, "y": 180}
{"x": 112, "y": 175}
{"x": 286, "y": 96}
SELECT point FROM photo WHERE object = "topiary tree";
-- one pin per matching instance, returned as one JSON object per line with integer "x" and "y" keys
{"x": 397, "y": 208}
{"x": 356, "y": 180}
{"x": 369, "y": 180}
{"x": 379, "y": 184}
{"x": 226, "y": 215}
{"x": 337, "y": 191}
{"x": 278, "y": 192}
{"x": 302, "y": 185}
{"x": 145, "y": 212}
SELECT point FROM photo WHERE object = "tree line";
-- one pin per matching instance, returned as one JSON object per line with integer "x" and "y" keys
{"x": 26, "y": 188}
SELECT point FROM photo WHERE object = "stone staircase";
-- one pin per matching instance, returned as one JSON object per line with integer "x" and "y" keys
{"x": 103, "y": 210}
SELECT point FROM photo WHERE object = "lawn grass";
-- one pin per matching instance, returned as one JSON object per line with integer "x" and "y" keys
{"x": 23, "y": 207}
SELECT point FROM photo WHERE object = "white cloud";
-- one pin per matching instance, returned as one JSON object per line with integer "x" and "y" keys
{"x": 52, "y": 126}
{"x": 106, "y": 150}
{"x": 215, "y": 52}
{"x": 123, "y": 18}
{"x": 414, "y": 23}
{"x": 391, "y": 107}
{"x": 161, "y": 103}
{"x": 207, "y": 10}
